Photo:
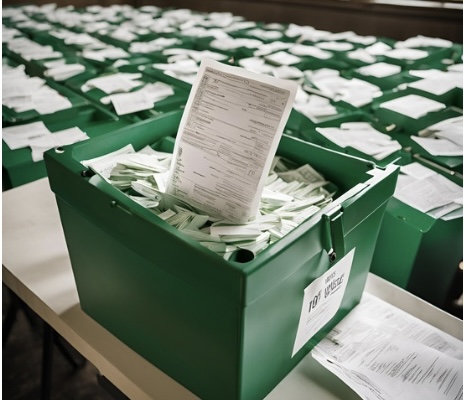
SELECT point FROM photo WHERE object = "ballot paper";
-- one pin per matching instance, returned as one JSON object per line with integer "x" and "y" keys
{"x": 380, "y": 70}
{"x": 227, "y": 139}
{"x": 439, "y": 147}
{"x": 363, "y": 137}
{"x": 450, "y": 129}
{"x": 384, "y": 353}
{"x": 65, "y": 71}
{"x": 427, "y": 191}
{"x": 39, "y": 138}
{"x": 413, "y": 106}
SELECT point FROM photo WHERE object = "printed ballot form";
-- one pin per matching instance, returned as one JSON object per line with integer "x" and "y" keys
{"x": 227, "y": 138}
{"x": 383, "y": 353}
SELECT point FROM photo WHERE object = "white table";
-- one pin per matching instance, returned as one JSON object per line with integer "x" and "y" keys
{"x": 37, "y": 268}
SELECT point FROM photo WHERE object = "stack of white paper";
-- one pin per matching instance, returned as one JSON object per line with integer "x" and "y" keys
{"x": 380, "y": 70}
{"x": 423, "y": 41}
{"x": 125, "y": 99}
{"x": 443, "y": 138}
{"x": 62, "y": 71}
{"x": 383, "y": 353}
{"x": 413, "y": 106}
{"x": 290, "y": 196}
{"x": 315, "y": 107}
{"x": 21, "y": 93}
{"x": 353, "y": 91}
{"x": 429, "y": 192}
{"x": 30, "y": 50}
{"x": 438, "y": 82}
{"x": 363, "y": 137}
{"x": 39, "y": 138}
{"x": 153, "y": 45}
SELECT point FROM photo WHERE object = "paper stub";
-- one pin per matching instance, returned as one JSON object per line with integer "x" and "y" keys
{"x": 322, "y": 299}
{"x": 227, "y": 138}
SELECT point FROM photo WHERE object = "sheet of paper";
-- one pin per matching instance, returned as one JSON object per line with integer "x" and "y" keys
{"x": 380, "y": 70}
{"x": 41, "y": 144}
{"x": 417, "y": 170}
{"x": 227, "y": 139}
{"x": 128, "y": 103}
{"x": 114, "y": 83}
{"x": 322, "y": 299}
{"x": 428, "y": 193}
{"x": 362, "y": 137}
{"x": 451, "y": 129}
{"x": 383, "y": 353}
{"x": 437, "y": 86}
{"x": 335, "y": 46}
{"x": 282, "y": 58}
{"x": 312, "y": 51}
{"x": 406, "y": 54}
{"x": 362, "y": 55}
{"x": 18, "y": 136}
{"x": 66, "y": 71}
{"x": 438, "y": 147}
{"x": 413, "y": 106}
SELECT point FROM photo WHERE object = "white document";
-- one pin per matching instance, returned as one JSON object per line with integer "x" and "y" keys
{"x": 103, "y": 165}
{"x": 380, "y": 70}
{"x": 413, "y": 106}
{"x": 114, "y": 83}
{"x": 227, "y": 138}
{"x": 282, "y": 58}
{"x": 417, "y": 171}
{"x": 17, "y": 137}
{"x": 127, "y": 103}
{"x": 312, "y": 51}
{"x": 406, "y": 54}
{"x": 335, "y": 46}
{"x": 361, "y": 55}
{"x": 66, "y": 71}
{"x": 451, "y": 129}
{"x": 438, "y": 86}
{"x": 322, "y": 299}
{"x": 383, "y": 353}
{"x": 41, "y": 144}
{"x": 428, "y": 193}
{"x": 438, "y": 147}
{"x": 363, "y": 137}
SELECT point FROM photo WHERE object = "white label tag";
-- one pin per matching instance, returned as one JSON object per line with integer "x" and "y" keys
{"x": 322, "y": 299}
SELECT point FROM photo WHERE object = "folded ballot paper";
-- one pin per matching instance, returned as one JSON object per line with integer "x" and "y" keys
{"x": 224, "y": 186}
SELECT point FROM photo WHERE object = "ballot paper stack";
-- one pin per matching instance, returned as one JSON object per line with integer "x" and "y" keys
{"x": 39, "y": 138}
{"x": 22, "y": 92}
{"x": 443, "y": 138}
{"x": 382, "y": 352}
{"x": 127, "y": 93}
{"x": 291, "y": 195}
{"x": 183, "y": 64}
{"x": 363, "y": 137}
{"x": 429, "y": 192}
{"x": 329, "y": 83}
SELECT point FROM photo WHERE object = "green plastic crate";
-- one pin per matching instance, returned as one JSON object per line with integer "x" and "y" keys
{"x": 310, "y": 134}
{"x": 450, "y": 165}
{"x": 171, "y": 103}
{"x": 223, "y": 329}
{"x": 18, "y": 168}
{"x": 417, "y": 252}
{"x": 403, "y": 123}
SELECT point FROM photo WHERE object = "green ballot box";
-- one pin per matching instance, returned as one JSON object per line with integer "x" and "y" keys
{"x": 417, "y": 252}
{"x": 223, "y": 329}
